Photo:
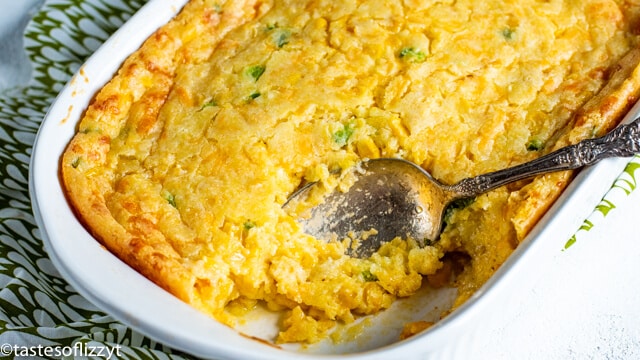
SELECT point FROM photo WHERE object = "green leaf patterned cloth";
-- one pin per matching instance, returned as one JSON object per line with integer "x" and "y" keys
{"x": 37, "y": 306}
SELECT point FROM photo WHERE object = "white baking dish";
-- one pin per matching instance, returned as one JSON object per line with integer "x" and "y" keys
{"x": 120, "y": 291}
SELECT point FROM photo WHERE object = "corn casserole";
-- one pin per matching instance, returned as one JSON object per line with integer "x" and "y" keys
{"x": 182, "y": 162}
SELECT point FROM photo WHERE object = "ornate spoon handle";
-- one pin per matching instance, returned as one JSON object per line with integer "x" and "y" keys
{"x": 623, "y": 141}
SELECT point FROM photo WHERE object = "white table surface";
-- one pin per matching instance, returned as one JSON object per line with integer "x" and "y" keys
{"x": 586, "y": 304}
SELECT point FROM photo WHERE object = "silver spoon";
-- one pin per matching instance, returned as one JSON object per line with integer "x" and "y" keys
{"x": 398, "y": 198}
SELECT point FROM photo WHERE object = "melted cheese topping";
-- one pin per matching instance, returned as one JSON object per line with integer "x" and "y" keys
{"x": 190, "y": 152}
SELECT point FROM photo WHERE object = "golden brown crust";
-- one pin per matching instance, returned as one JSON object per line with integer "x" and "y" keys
{"x": 599, "y": 115}
{"x": 137, "y": 92}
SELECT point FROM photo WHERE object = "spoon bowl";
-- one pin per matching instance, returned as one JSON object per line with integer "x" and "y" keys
{"x": 390, "y": 198}
{"x": 396, "y": 198}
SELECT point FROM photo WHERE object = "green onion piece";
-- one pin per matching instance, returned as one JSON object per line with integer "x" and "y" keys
{"x": 281, "y": 37}
{"x": 169, "y": 197}
{"x": 209, "y": 103}
{"x": 255, "y": 71}
{"x": 341, "y": 137}
{"x": 253, "y": 95}
{"x": 368, "y": 276}
{"x": 413, "y": 55}
{"x": 508, "y": 33}
{"x": 535, "y": 145}
{"x": 248, "y": 225}
{"x": 75, "y": 163}
{"x": 454, "y": 206}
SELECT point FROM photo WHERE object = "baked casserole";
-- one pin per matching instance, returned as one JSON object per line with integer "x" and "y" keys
{"x": 181, "y": 164}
